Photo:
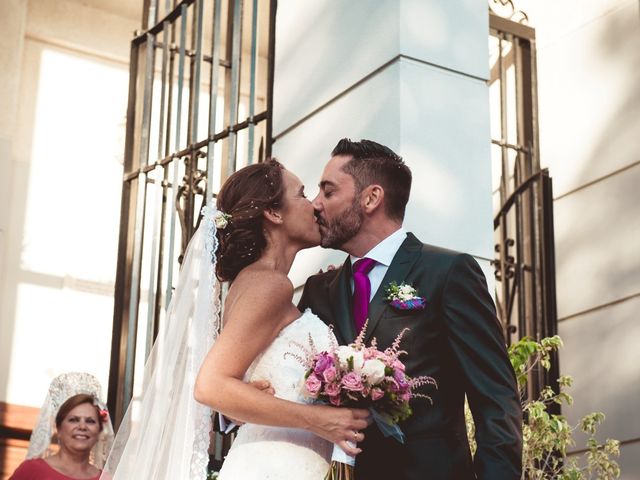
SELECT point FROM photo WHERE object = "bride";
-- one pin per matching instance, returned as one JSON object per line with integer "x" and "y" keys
{"x": 263, "y": 220}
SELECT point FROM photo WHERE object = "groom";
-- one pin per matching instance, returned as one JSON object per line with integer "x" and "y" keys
{"x": 456, "y": 338}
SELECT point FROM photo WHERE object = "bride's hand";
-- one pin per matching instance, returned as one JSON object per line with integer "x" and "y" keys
{"x": 340, "y": 425}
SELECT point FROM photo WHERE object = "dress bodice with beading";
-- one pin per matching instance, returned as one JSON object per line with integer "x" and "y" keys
{"x": 261, "y": 452}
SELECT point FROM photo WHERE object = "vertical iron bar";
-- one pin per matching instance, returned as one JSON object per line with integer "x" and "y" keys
{"x": 252, "y": 79}
{"x": 549, "y": 278}
{"x": 153, "y": 259}
{"x": 235, "y": 84}
{"x": 146, "y": 8}
{"x": 272, "y": 60}
{"x": 194, "y": 97}
{"x": 196, "y": 76}
{"x": 176, "y": 162}
{"x": 139, "y": 219}
{"x": 169, "y": 37}
{"x": 120, "y": 331}
{"x": 213, "y": 95}
{"x": 504, "y": 180}
{"x": 156, "y": 254}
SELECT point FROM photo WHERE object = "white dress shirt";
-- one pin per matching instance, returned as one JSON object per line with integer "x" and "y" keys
{"x": 383, "y": 254}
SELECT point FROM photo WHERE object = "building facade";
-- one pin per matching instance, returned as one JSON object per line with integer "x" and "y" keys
{"x": 411, "y": 74}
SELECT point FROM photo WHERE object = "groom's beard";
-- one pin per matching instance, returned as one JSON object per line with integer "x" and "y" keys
{"x": 343, "y": 228}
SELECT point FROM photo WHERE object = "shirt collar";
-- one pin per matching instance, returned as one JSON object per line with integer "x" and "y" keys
{"x": 384, "y": 251}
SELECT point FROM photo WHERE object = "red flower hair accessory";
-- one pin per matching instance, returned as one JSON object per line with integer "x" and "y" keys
{"x": 104, "y": 415}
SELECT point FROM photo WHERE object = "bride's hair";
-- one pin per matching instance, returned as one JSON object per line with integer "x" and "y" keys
{"x": 244, "y": 196}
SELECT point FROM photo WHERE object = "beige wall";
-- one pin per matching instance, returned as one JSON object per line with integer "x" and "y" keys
{"x": 589, "y": 101}
{"x": 63, "y": 90}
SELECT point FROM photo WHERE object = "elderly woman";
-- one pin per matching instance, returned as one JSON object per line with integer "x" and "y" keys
{"x": 83, "y": 431}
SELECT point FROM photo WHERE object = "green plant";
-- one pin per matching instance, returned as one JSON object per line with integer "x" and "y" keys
{"x": 547, "y": 436}
{"x": 212, "y": 475}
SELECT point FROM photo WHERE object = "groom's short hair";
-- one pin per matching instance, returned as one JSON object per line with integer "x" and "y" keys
{"x": 373, "y": 163}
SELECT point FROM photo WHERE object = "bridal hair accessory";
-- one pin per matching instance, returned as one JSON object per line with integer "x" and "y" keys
{"x": 221, "y": 219}
{"x": 164, "y": 435}
{"x": 404, "y": 297}
{"x": 62, "y": 388}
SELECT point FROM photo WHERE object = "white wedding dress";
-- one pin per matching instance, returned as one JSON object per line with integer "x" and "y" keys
{"x": 260, "y": 452}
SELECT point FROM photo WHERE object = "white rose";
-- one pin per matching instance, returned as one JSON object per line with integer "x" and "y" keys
{"x": 373, "y": 370}
{"x": 406, "y": 292}
{"x": 344, "y": 352}
{"x": 358, "y": 362}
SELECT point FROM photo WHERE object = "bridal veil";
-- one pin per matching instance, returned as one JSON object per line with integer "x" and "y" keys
{"x": 164, "y": 434}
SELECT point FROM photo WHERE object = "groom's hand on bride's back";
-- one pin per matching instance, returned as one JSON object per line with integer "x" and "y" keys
{"x": 331, "y": 267}
{"x": 340, "y": 425}
{"x": 262, "y": 385}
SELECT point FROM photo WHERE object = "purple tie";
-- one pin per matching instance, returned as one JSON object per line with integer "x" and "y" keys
{"x": 361, "y": 291}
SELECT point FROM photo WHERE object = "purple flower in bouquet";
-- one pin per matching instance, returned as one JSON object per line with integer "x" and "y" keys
{"x": 324, "y": 361}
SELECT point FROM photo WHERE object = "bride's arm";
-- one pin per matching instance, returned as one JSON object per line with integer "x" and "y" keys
{"x": 254, "y": 319}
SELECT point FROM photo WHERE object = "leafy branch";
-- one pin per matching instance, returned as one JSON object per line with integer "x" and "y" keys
{"x": 547, "y": 436}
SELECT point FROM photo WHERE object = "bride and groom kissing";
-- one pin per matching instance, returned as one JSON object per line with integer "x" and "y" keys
{"x": 455, "y": 339}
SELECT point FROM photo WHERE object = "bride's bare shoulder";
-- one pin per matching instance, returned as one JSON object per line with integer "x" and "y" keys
{"x": 263, "y": 289}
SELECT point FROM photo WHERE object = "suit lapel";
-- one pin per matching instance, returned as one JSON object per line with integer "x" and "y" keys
{"x": 340, "y": 300}
{"x": 404, "y": 259}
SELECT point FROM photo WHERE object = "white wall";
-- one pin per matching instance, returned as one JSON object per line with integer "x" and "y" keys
{"x": 61, "y": 146}
{"x": 409, "y": 74}
{"x": 589, "y": 102}
{"x": 13, "y": 16}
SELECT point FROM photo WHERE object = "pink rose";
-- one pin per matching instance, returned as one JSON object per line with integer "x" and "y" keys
{"x": 313, "y": 385}
{"x": 330, "y": 374}
{"x": 406, "y": 396}
{"x": 332, "y": 389}
{"x": 376, "y": 394}
{"x": 335, "y": 400}
{"x": 352, "y": 381}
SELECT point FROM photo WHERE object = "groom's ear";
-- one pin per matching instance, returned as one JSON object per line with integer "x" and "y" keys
{"x": 372, "y": 198}
{"x": 273, "y": 216}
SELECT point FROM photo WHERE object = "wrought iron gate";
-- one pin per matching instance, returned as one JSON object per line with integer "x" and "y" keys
{"x": 200, "y": 92}
{"x": 523, "y": 204}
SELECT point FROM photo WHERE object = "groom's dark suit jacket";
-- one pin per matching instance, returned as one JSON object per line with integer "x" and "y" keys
{"x": 457, "y": 340}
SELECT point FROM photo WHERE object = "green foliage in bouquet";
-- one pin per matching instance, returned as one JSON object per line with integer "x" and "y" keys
{"x": 547, "y": 436}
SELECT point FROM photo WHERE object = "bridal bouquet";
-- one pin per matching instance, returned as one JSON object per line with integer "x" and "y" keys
{"x": 358, "y": 376}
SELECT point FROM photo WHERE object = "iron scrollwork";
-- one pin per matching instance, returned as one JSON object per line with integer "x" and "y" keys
{"x": 193, "y": 185}
{"x": 507, "y": 9}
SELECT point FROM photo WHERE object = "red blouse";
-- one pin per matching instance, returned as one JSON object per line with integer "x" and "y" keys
{"x": 38, "y": 469}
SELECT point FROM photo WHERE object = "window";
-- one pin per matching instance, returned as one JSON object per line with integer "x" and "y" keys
{"x": 523, "y": 206}
{"x": 200, "y": 89}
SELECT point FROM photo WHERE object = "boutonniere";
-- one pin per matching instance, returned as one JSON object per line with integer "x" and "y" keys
{"x": 404, "y": 297}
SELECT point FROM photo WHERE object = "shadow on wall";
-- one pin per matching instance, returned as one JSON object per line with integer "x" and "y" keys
{"x": 597, "y": 255}
{"x": 597, "y": 227}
